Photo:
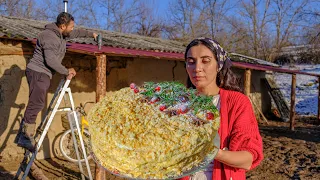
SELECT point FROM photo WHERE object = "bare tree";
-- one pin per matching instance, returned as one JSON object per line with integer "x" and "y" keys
{"x": 311, "y": 32}
{"x": 236, "y": 36}
{"x": 147, "y": 24}
{"x": 183, "y": 16}
{"x": 170, "y": 31}
{"x": 273, "y": 24}
{"x": 257, "y": 28}
{"x": 83, "y": 11}
{"x": 19, "y": 8}
{"x": 286, "y": 18}
{"x": 51, "y": 8}
{"x": 86, "y": 12}
{"x": 8, "y": 7}
{"x": 215, "y": 11}
{"x": 250, "y": 9}
{"x": 121, "y": 18}
{"x": 106, "y": 4}
{"x": 257, "y": 20}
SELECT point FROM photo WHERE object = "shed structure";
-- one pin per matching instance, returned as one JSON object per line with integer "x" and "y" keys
{"x": 123, "y": 58}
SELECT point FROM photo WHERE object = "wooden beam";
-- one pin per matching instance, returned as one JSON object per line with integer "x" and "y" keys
{"x": 101, "y": 77}
{"x": 247, "y": 82}
{"x": 82, "y": 52}
{"x": 243, "y": 65}
{"x": 122, "y": 55}
{"x": 16, "y": 53}
{"x": 13, "y": 50}
{"x": 101, "y": 88}
{"x": 318, "y": 100}
{"x": 293, "y": 101}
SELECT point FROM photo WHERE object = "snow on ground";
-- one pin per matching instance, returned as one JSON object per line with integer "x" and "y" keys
{"x": 306, "y": 91}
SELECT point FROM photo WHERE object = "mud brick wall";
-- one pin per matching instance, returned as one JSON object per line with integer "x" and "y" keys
{"x": 121, "y": 71}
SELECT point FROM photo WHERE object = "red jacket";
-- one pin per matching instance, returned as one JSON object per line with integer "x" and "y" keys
{"x": 238, "y": 132}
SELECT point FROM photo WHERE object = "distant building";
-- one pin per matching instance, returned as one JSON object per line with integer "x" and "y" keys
{"x": 298, "y": 54}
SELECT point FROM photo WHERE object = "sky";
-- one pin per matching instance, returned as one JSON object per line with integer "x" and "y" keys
{"x": 160, "y": 10}
{"x": 160, "y": 7}
{"x": 161, "y": 4}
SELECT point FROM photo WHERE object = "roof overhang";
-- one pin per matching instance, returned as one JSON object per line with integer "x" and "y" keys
{"x": 116, "y": 51}
{"x": 91, "y": 49}
{"x": 270, "y": 68}
{"x": 113, "y": 51}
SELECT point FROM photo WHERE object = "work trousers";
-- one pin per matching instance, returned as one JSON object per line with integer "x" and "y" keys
{"x": 38, "y": 87}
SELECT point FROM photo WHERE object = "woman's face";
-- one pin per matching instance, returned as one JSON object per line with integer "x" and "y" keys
{"x": 202, "y": 67}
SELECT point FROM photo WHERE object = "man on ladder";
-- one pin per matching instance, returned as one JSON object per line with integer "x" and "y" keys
{"x": 48, "y": 54}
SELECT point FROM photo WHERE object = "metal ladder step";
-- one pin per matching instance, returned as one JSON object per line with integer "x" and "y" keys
{"x": 44, "y": 126}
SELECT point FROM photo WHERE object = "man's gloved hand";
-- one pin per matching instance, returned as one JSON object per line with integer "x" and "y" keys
{"x": 99, "y": 41}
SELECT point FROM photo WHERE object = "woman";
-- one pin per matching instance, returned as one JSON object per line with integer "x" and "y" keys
{"x": 240, "y": 150}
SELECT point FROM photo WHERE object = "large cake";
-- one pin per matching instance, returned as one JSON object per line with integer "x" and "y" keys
{"x": 156, "y": 131}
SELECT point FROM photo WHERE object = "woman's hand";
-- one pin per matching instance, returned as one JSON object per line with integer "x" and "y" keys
{"x": 237, "y": 159}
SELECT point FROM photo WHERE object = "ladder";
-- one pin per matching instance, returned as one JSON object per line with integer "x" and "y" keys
{"x": 44, "y": 126}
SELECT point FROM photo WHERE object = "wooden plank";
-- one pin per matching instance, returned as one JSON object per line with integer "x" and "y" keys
{"x": 259, "y": 67}
{"x": 16, "y": 53}
{"x": 247, "y": 82}
{"x": 101, "y": 88}
{"x": 319, "y": 100}
{"x": 293, "y": 101}
{"x": 80, "y": 52}
{"x": 278, "y": 98}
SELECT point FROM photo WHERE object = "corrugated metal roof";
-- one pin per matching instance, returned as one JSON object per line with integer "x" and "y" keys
{"x": 116, "y": 51}
{"x": 114, "y": 43}
{"x": 242, "y": 58}
{"x": 14, "y": 27}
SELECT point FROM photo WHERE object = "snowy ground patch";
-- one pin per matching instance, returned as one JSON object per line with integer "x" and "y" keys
{"x": 307, "y": 89}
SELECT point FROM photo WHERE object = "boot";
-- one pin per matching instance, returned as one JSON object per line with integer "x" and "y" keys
{"x": 26, "y": 139}
{"x": 37, "y": 173}
{"x": 16, "y": 139}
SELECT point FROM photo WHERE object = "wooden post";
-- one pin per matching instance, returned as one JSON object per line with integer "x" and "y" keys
{"x": 247, "y": 82}
{"x": 101, "y": 88}
{"x": 101, "y": 77}
{"x": 293, "y": 100}
{"x": 319, "y": 100}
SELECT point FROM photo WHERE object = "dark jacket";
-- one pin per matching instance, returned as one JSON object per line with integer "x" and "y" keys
{"x": 51, "y": 48}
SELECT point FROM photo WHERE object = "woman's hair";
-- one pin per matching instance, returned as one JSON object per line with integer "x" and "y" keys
{"x": 226, "y": 79}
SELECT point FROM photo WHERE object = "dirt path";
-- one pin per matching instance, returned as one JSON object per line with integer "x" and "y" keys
{"x": 288, "y": 155}
{"x": 55, "y": 168}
